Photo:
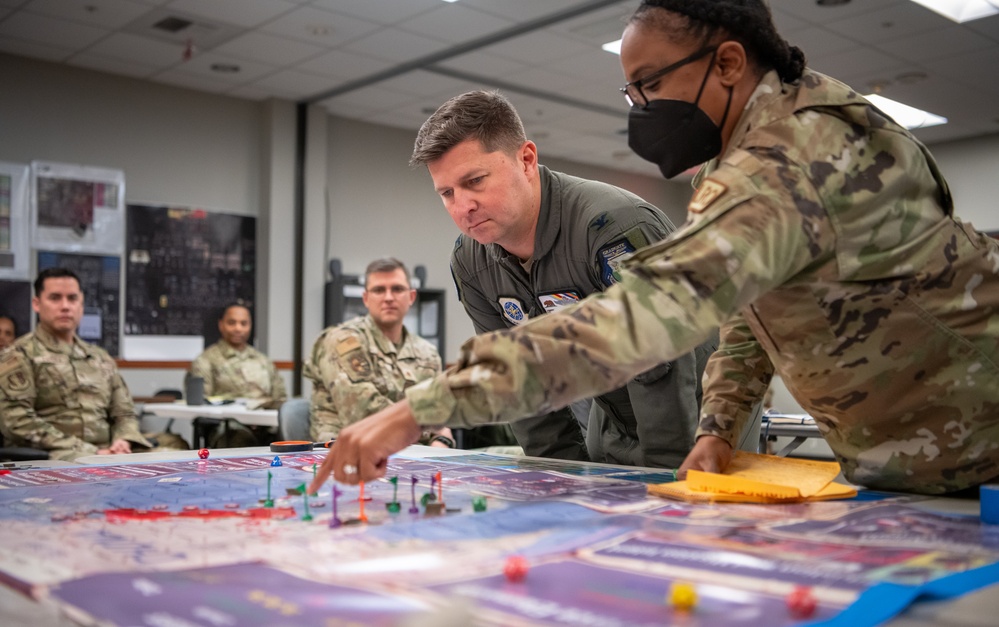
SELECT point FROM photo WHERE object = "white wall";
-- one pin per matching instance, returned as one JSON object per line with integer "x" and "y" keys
{"x": 971, "y": 168}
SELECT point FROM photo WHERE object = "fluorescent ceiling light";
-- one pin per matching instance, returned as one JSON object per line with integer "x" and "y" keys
{"x": 909, "y": 117}
{"x": 962, "y": 10}
{"x": 612, "y": 46}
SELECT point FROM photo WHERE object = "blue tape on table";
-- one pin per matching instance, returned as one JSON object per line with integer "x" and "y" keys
{"x": 886, "y": 600}
{"x": 990, "y": 503}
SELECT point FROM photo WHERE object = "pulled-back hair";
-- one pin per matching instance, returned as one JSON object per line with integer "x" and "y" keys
{"x": 483, "y": 115}
{"x": 747, "y": 21}
{"x": 387, "y": 264}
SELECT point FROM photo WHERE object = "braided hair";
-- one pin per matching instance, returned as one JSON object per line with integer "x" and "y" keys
{"x": 747, "y": 21}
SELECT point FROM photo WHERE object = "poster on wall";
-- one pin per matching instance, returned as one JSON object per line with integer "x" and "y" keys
{"x": 15, "y": 303}
{"x": 77, "y": 208}
{"x": 183, "y": 267}
{"x": 14, "y": 262}
{"x": 100, "y": 280}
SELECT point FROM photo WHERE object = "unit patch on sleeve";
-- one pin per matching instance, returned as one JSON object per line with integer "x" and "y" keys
{"x": 610, "y": 257}
{"x": 513, "y": 310}
{"x": 558, "y": 300}
{"x": 707, "y": 193}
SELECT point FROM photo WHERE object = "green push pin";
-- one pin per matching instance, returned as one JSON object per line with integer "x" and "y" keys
{"x": 393, "y": 507}
{"x": 269, "y": 502}
{"x": 305, "y": 502}
{"x": 479, "y": 504}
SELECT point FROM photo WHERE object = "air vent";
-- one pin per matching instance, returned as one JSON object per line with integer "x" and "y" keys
{"x": 182, "y": 27}
{"x": 173, "y": 24}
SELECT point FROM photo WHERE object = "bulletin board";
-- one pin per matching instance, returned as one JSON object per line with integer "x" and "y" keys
{"x": 100, "y": 280}
{"x": 183, "y": 266}
{"x": 14, "y": 198}
{"x": 77, "y": 208}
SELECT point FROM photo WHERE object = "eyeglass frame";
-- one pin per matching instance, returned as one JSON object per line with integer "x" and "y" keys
{"x": 637, "y": 83}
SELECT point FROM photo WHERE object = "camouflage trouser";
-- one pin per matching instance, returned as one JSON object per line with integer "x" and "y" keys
{"x": 164, "y": 442}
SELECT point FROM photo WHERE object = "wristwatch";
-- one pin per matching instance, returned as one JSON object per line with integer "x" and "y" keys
{"x": 429, "y": 437}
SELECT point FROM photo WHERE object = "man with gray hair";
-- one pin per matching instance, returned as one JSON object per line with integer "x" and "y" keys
{"x": 534, "y": 241}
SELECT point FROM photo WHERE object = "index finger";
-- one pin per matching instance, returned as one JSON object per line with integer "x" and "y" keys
{"x": 323, "y": 472}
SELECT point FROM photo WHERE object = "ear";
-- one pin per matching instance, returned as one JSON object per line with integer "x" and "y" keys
{"x": 527, "y": 156}
{"x": 364, "y": 298}
{"x": 34, "y": 303}
{"x": 731, "y": 62}
{"x": 412, "y": 297}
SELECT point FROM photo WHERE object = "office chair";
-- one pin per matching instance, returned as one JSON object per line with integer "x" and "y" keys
{"x": 293, "y": 419}
{"x": 20, "y": 453}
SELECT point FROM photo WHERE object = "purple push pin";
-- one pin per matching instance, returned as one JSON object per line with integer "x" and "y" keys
{"x": 335, "y": 522}
{"x": 414, "y": 509}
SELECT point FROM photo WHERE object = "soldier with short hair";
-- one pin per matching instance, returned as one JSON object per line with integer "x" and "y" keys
{"x": 8, "y": 331}
{"x": 821, "y": 239}
{"x": 232, "y": 369}
{"x": 365, "y": 364}
{"x": 61, "y": 394}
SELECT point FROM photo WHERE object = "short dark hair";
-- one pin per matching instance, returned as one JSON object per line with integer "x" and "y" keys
{"x": 13, "y": 322}
{"x": 747, "y": 21}
{"x": 386, "y": 264}
{"x": 238, "y": 303}
{"x": 483, "y": 115}
{"x": 54, "y": 273}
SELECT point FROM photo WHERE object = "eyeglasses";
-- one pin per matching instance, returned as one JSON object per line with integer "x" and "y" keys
{"x": 633, "y": 91}
{"x": 397, "y": 290}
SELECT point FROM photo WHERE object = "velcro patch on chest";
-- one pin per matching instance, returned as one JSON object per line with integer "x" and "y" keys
{"x": 708, "y": 192}
{"x": 558, "y": 300}
{"x": 347, "y": 345}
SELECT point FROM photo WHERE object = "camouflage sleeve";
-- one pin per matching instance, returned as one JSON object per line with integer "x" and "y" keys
{"x": 348, "y": 375}
{"x": 202, "y": 367}
{"x": 741, "y": 240}
{"x": 124, "y": 424}
{"x": 278, "y": 391}
{"x": 737, "y": 376}
{"x": 20, "y": 425}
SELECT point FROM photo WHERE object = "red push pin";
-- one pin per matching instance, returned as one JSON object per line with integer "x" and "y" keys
{"x": 203, "y": 453}
{"x": 515, "y": 568}
{"x": 801, "y": 602}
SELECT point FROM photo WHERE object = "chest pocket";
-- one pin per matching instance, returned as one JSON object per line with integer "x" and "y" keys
{"x": 93, "y": 378}
{"x": 54, "y": 383}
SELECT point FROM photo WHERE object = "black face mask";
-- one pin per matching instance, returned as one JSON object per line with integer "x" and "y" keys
{"x": 674, "y": 134}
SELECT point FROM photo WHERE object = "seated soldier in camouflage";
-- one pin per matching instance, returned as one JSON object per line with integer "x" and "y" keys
{"x": 365, "y": 364}
{"x": 232, "y": 369}
{"x": 8, "y": 331}
{"x": 62, "y": 395}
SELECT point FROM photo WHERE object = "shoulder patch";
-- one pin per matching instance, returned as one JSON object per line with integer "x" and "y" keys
{"x": 609, "y": 257}
{"x": 347, "y": 345}
{"x": 16, "y": 381}
{"x": 707, "y": 193}
{"x": 9, "y": 364}
{"x": 553, "y": 301}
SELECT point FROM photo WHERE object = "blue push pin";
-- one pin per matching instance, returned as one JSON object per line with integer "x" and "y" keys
{"x": 276, "y": 461}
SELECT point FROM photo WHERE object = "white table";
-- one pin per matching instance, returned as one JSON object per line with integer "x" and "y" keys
{"x": 232, "y": 411}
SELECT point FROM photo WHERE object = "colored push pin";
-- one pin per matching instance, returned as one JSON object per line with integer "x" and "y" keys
{"x": 314, "y": 478}
{"x": 515, "y": 568}
{"x": 276, "y": 461}
{"x": 203, "y": 453}
{"x": 801, "y": 602}
{"x": 413, "y": 509}
{"x": 307, "y": 516}
{"x": 361, "y": 515}
{"x": 682, "y": 596}
{"x": 269, "y": 502}
{"x": 335, "y": 521}
{"x": 479, "y": 504}
{"x": 436, "y": 506}
{"x": 393, "y": 507}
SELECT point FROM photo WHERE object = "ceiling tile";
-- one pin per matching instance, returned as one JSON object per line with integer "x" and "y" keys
{"x": 941, "y": 43}
{"x": 396, "y": 45}
{"x": 201, "y": 65}
{"x": 34, "y": 50}
{"x": 128, "y": 47}
{"x": 887, "y": 24}
{"x": 343, "y": 64}
{"x": 249, "y": 13}
{"x": 269, "y": 48}
{"x": 425, "y": 84}
{"x": 521, "y": 10}
{"x": 810, "y": 11}
{"x": 191, "y": 81}
{"x": 482, "y": 64}
{"x": 454, "y": 23}
{"x": 41, "y": 29}
{"x": 538, "y": 47}
{"x": 384, "y": 12}
{"x": 322, "y": 28}
{"x": 100, "y": 13}
{"x": 818, "y": 42}
{"x": 293, "y": 84}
